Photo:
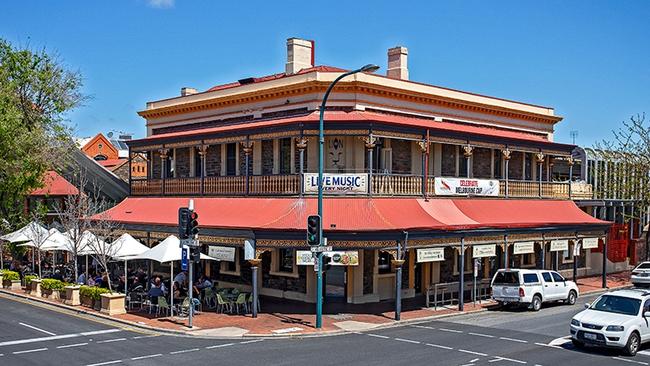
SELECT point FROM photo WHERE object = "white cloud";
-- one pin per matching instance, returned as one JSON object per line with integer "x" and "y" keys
{"x": 161, "y": 4}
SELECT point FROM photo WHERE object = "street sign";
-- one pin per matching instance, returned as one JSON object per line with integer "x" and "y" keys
{"x": 184, "y": 260}
{"x": 316, "y": 263}
{"x": 186, "y": 243}
{"x": 319, "y": 249}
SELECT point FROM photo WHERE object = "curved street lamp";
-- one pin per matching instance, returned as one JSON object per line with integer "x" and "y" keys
{"x": 321, "y": 141}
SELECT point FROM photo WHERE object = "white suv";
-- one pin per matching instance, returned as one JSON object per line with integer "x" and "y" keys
{"x": 616, "y": 319}
{"x": 532, "y": 287}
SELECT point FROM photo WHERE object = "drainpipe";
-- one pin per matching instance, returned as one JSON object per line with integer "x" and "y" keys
{"x": 543, "y": 251}
{"x": 505, "y": 251}
{"x": 461, "y": 278}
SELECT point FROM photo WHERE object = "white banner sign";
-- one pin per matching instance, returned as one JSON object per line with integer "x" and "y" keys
{"x": 337, "y": 183}
{"x": 590, "y": 243}
{"x": 466, "y": 186}
{"x": 486, "y": 250}
{"x": 222, "y": 253}
{"x": 431, "y": 255}
{"x": 339, "y": 258}
{"x": 559, "y": 245}
{"x": 524, "y": 247}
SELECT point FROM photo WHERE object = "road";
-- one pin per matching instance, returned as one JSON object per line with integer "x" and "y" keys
{"x": 35, "y": 335}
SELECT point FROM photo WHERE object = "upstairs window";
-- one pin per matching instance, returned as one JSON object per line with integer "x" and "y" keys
{"x": 231, "y": 159}
{"x": 285, "y": 156}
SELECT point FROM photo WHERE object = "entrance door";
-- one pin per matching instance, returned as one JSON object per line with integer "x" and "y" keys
{"x": 335, "y": 279}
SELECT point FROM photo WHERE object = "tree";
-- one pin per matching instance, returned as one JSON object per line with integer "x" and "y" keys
{"x": 36, "y": 91}
{"x": 623, "y": 165}
{"x": 102, "y": 245}
{"x": 38, "y": 234}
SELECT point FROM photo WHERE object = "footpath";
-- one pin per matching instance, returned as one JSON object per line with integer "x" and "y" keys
{"x": 289, "y": 318}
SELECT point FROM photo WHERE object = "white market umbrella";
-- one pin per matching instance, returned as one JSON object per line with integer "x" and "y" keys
{"x": 169, "y": 250}
{"x": 54, "y": 241}
{"x": 26, "y": 233}
{"x": 128, "y": 247}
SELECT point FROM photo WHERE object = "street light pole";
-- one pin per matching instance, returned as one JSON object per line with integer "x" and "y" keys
{"x": 321, "y": 142}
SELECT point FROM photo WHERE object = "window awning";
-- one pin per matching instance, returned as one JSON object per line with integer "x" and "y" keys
{"x": 357, "y": 214}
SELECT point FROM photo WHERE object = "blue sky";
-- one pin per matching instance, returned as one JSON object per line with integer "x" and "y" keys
{"x": 590, "y": 60}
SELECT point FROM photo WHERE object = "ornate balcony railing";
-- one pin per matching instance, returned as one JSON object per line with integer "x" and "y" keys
{"x": 378, "y": 185}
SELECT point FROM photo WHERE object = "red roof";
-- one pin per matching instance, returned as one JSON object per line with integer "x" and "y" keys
{"x": 55, "y": 185}
{"x": 356, "y": 214}
{"x": 111, "y": 163}
{"x": 321, "y": 68}
{"x": 359, "y": 116}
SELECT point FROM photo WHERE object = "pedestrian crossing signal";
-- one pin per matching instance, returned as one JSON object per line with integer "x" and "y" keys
{"x": 313, "y": 230}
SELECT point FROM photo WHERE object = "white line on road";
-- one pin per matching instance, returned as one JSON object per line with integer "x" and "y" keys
{"x": 423, "y": 327}
{"x": 645, "y": 353}
{"x": 112, "y": 340}
{"x": 473, "y": 353}
{"x": 105, "y": 363}
{"x": 481, "y": 335}
{"x": 72, "y": 345}
{"x": 438, "y": 346}
{"x": 184, "y": 351}
{"x": 547, "y": 345}
{"x": 251, "y": 341}
{"x": 145, "y": 357}
{"x": 62, "y": 336}
{"x": 38, "y": 329}
{"x": 631, "y": 361}
{"x": 378, "y": 336}
{"x": 406, "y": 340}
{"x": 513, "y": 340}
{"x": 30, "y": 351}
{"x": 499, "y": 358}
{"x": 145, "y": 336}
{"x": 450, "y": 330}
{"x": 219, "y": 345}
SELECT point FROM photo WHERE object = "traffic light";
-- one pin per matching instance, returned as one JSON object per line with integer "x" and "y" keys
{"x": 195, "y": 254}
{"x": 193, "y": 228}
{"x": 327, "y": 260}
{"x": 313, "y": 230}
{"x": 183, "y": 221}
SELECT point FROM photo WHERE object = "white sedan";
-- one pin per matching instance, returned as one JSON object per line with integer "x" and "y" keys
{"x": 641, "y": 275}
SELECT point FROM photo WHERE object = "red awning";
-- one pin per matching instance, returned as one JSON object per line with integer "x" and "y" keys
{"x": 356, "y": 214}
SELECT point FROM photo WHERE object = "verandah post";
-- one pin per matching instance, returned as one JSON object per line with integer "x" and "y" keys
{"x": 461, "y": 278}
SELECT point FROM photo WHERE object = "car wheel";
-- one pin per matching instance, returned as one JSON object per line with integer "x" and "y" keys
{"x": 536, "y": 304}
{"x": 571, "y": 299}
{"x": 632, "y": 346}
{"x": 577, "y": 344}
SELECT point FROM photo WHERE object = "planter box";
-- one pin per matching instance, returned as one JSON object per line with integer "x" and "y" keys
{"x": 12, "y": 285}
{"x": 72, "y": 296}
{"x": 86, "y": 301}
{"x": 113, "y": 304}
{"x": 36, "y": 288}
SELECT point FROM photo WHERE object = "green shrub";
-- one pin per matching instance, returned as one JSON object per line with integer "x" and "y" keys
{"x": 92, "y": 292}
{"x": 52, "y": 284}
{"x": 29, "y": 278}
{"x": 10, "y": 276}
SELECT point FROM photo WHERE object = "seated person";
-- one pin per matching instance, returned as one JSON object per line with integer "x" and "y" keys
{"x": 203, "y": 283}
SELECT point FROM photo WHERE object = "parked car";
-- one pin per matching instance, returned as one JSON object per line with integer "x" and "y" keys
{"x": 616, "y": 319}
{"x": 532, "y": 288}
{"x": 641, "y": 275}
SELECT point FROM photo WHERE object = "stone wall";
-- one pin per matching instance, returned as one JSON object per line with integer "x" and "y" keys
{"x": 448, "y": 168}
{"x": 213, "y": 161}
{"x": 368, "y": 271}
{"x": 267, "y": 157}
{"x": 482, "y": 163}
{"x": 182, "y": 156}
{"x": 401, "y": 156}
{"x": 515, "y": 166}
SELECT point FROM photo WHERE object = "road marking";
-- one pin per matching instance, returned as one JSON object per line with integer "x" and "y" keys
{"x": 112, "y": 340}
{"x": 30, "y": 351}
{"x": 73, "y": 345}
{"x": 378, "y": 336}
{"x": 499, "y": 358}
{"x": 219, "y": 345}
{"x": 38, "y": 329}
{"x": 105, "y": 363}
{"x": 450, "y": 330}
{"x": 146, "y": 336}
{"x": 252, "y": 341}
{"x": 481, "y": 335}
{"x": 547, "y": 345}
{"x": 472, "y": 352}
{"x": 406, "y": 340}
{"x": 560, "y": 341}
{"x": 631, "y": 361}
{"x": 184, "y": 351}
{"x": 423, "y": 327}
{"x": 56, "y": 337}
{"x": 145, "y": 357}
{"x": 438, "y": 346}
{"x": 474, "y": 360}
{"x": 513, "y": 340}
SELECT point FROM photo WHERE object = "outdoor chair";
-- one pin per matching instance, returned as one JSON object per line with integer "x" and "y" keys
{"x": 163, "y": 305}
{"x": 133, "y": 299}
{"x": 209, "y": 299}
{"x": 151, "y": 304}
{"x": 223, "y": 305}
{"x": 184, "y": 309}
{"x": 250, "y": 302}
{"x": 241, "y": 303}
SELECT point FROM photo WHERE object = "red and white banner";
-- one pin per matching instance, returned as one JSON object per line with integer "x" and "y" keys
{"x": 466, "y": 187}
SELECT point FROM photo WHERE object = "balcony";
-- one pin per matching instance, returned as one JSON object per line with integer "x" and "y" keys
{"x": 378, "y": 185}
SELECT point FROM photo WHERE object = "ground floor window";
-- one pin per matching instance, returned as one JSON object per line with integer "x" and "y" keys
{"x": 283, "y": 263}
{"x": 469, "y": 264}
{"x": 528, "y": 260}
{"x": 567, "y": 255}
{"x": 231, "y": 268}
{"x": 383, "y": 262}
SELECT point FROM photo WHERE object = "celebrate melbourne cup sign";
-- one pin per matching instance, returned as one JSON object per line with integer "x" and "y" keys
{"x": 337, "y": 183}
{"x": 466, "y": 186}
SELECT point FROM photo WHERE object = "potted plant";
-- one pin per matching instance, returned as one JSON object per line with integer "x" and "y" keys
{"x": 91, "y": 296}
{"x": 33, "y": 285}
{"x": 11, "y": 280}
{"x": 52, "y": 288}
{"x": 72, "y": 296}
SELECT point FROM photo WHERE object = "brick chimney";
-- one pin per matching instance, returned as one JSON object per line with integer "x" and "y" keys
{"x": 398, "y": 63}
{"x": 300, "y": 55}
{"x": 185, "y": 91}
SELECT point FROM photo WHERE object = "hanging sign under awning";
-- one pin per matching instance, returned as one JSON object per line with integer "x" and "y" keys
{"x": 222, "y": 253}
{"x": 339, "y": 258}
{"x": 590, "y": 243}
{"x": 430, "y": 255}
{"x": 486, "y": 250}
{"x": 524, "y": 247}
{"x": 337, "y": 183}
{"x": 466, "y": 186}
{"x": 559, "y": 245}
